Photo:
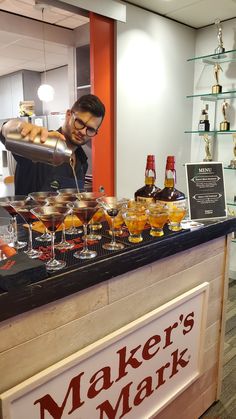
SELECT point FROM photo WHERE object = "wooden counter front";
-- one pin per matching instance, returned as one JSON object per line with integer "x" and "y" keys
{"x": 119, "y": 291}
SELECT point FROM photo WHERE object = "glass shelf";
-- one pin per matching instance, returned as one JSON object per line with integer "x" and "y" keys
{"x": 229, "y": 168}
{"x": 215, "y": 96}
{"x": 233, "y": 203}
{"x": 233, "y": 240}
{"x": 209, "y": 132}
{"x": 224, "y": 57}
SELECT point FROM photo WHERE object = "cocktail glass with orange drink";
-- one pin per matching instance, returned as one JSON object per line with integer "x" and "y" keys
{"x": 135, "y": 220}
{"x": 177, "y": 212}
{"x": 157, "y": 217}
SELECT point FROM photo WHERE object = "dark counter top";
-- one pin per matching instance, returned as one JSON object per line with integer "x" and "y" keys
{"x": 80, "y": 276}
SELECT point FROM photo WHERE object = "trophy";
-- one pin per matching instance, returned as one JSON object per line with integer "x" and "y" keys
{"x": 232, "y": 164}
{"x": 224, "y": 125}
{"x": 208, "y": 147}
{"x": 217, "y": 88}
{"x": 220, "y": 47}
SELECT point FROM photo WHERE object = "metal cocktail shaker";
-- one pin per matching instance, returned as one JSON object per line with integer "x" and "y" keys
{"x": 53, "y": 151}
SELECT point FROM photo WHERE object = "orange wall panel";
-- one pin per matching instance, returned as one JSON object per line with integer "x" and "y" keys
{"x": 102, "y": 85}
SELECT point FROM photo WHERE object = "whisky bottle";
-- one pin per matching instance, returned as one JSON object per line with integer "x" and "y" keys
{"x": 169, "y": 194}
{"x": 204, "y": 124}
{"x": 146, "y": 193}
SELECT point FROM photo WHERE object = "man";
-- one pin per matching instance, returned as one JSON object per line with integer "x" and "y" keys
{"x": 81, "y": 124}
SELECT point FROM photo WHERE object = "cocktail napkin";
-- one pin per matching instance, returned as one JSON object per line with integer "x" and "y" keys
{"x": 20, "y": 270}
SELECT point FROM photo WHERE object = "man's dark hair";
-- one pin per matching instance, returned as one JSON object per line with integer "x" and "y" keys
{"x": 89, "y": 103}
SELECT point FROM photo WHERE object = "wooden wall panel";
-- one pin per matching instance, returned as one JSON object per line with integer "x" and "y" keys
{"x": 50, "y": 333}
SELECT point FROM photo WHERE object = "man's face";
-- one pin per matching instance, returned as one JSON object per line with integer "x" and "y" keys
{"x": 80, "y": 127}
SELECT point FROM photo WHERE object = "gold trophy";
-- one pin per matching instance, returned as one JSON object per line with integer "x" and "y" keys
{"x": 232, "y": 164}
{"x": 208, "y": 147}
{"x": 224, "y": 125}
{"x": 217, "y": 88}
{"x": 220, "y": 47}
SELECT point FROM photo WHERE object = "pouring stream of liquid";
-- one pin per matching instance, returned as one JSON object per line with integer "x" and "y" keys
{"x": 73, "y": 170}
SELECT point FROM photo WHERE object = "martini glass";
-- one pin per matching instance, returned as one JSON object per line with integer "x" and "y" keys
{"x": 112, "y": 206}
{"x": 71, "y": 192}
{"x": 85, "y": 210}
{"x": 5, "y": 203}
{"x": 52, "y": 216}
{"x": 40, "y": 198}
{"x": 23, "y": 208}
{"x": 95, "y": 222}
{"x": 62, "y": 200}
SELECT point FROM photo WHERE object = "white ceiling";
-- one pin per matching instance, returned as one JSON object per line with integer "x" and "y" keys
{"x": 51, "y": 14}
{"x": 18, "y": 52}
{"x": 195, "y": 13}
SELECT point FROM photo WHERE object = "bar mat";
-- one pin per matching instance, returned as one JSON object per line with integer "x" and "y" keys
{"x": 68, "y": 255}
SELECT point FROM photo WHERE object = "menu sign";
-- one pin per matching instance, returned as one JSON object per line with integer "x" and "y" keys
{"x": 206, "y": 193}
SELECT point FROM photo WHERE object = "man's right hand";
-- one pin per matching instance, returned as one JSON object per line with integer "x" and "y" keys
{"x": 33, "y": 130}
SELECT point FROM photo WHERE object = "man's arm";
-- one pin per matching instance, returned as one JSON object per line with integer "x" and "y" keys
{"x": 25, "y": 128}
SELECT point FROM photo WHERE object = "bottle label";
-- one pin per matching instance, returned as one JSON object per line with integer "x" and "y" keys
{"x": 201, "y": 127}
{"x": 144, "y": 199}
{"x": 172, "y": 204}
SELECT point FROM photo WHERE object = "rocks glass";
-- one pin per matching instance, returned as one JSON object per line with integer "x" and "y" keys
{"x": 157, "y": 216}
{"x": 177, "y": 212}
{"x": 135, "y": 220}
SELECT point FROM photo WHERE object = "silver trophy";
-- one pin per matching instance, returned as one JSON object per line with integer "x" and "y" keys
{"x": 232, "y": 164}
{"x": 220, "y": 47}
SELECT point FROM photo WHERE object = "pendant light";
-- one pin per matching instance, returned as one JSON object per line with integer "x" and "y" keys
{"x": 45, "y": 91}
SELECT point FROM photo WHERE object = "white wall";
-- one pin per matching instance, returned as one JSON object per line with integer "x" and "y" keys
{"x": 153, "y": 78}
{"x": 58, "y": 79}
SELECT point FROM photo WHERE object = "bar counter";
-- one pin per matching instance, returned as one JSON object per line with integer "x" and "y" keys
{"x": 45, "y": 322}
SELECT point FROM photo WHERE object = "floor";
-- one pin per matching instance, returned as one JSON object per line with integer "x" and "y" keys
{"x": 225, "y": 408}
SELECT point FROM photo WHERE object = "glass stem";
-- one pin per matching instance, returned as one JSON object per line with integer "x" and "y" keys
{"x": 15, "y": 233}
{"x": 63, "y": 233}
{"x": 30, "y": 244}
{"x": 52, "y": 245}
{"x": 85, "y": 246}
{"x": 113, "y": 237}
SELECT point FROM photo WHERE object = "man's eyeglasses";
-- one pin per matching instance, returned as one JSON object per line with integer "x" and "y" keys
{"x": 79, "y": 124}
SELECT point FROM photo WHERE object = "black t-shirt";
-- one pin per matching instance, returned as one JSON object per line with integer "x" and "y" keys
{"x": 36, "y": 177}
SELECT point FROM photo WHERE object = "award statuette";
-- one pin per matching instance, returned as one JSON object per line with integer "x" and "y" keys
{"x": 224, "y": 125}
{"x": 220, "y": 47}
{"x": 208, "y": 147}
{"x": 217, "y": 88}
{"x": 232, "y": 164}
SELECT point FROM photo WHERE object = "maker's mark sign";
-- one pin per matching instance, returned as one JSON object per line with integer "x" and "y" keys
{"x": 132, "y": 373}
